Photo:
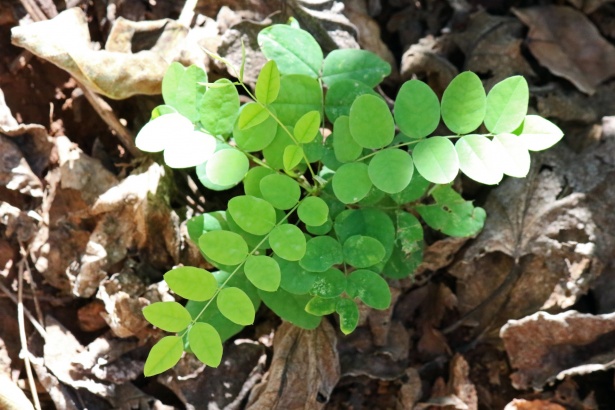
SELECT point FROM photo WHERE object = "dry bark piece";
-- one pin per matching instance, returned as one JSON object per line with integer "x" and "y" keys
{"x": 65, "y": 41}
{"x": 411, "y": 391}
{"x": 304, "y": 370}
{"x": 544, "y": 347}
{"x": 582, "y": 55}
{"x": 541, "y": 230}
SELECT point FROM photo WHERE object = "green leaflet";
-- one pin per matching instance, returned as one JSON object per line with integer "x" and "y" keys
{"x": 182, "y": 89}
{"x": 352, "y": 64}
{"x": 268, "y": 83}
{"x": 169, "y": 316}
{"x": 464, "y": 103}
{"x": 205, "y": 343}
{"x": 191, "y": 283}
{"x": 295, "y": 51}
{"x": 236, "y": 306}
{"x": 164, "y": 355}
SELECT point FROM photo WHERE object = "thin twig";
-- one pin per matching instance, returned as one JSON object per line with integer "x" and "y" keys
{"x": 22, "y": 329}
{"x": 187, "y": 13}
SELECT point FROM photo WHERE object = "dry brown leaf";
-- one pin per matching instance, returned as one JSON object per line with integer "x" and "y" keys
{"x": 65, "y": 41}
{"x": 522, "y": 404}
{"x": 304, "y": 370}
{"x": 581, "y": 55}
{"x": 544, "y": 347}
{"x": 411, "y": 391}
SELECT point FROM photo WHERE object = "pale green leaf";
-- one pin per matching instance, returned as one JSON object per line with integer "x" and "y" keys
{"x": 478, "y": 159}
{"x": 354, "y": 64}
{"x": 507, "y": 105}
{"x": 236, "y": 306}
{"x": 169, "y": 316}
{"x": 205, "y": 343}
{"x": 164, "y": 355}
{"x": 464, "y": 103}
{"x": 268, "y": 83}
{"x": 436, "y": 160}
{"x": 191, "y": 283}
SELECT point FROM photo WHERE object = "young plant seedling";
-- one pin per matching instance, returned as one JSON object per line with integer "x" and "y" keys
{"x": 323, "y": 221}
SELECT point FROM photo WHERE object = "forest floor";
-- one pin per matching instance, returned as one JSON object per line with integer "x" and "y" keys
{"x": 520, "y": 317}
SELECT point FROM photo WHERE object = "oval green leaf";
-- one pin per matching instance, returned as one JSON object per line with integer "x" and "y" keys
{"x": 436, "y": 160}
{"x": 329, "y": 284}
{"x": 158, "y": 134}
{"x": 236, "y": 306}
{"x": 252, "y": 181}
{"x": 192, "y": 283}
{"x": 321, "y": 253}
{"x": 349, "y": 315}
{"x": 205, "y": 343}
{"x": 280, "y": 191}
{"x": 341, "y": 95}
{"x": 294, "y": 50}
{"x": 345, "y": 147}
{"x": 354, "y": 64}
{"x": 351, "y": 182}
{"x": 219, "y": 108}
{"x": 227, "y": 167}
{"x": 307, "y": 127}
{"x": 464, "y": 103}
{"x": 263, "y": 272}
{"x": 253, "y": 215}
{"x": 507, "y": 105}
{"x": 168, "y": 316}
{"x": 321, "y": 306}
{"x": 251, "y": 115}
{"x": 371, "y": 123}
{"x": 255, "y": 138}
{"x": 288, "y": 242}
{"x": 370, "y": 287}
{"x": 512, "y": 155}
{"x": 298, "y": 95}
{"x": 164, "y": 355}
{"x": 363, "y": 251}
{"x": 417, "y": 109}
{"x": 268, "y": 83}
{"x": 291, "y": 308}
{"x": 391, "y": 170}
{"x": 182, "y": 89}
{"x": 313, "y": 211}
{"x": 478, "y": 159}
{"x": 227, "y": 248}
{"x": 538, "y": 133}
{"x": 293, "y": 154}
{"x": 295, "y": 279}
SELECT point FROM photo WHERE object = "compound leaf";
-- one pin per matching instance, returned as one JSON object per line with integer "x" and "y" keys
{"x": 507, "y": 105}
{"x": 191, "y": 283}
{"x": 354, "y": 64}
{"x": 464, "y": 103}
{"x": 436, "y": 159}
{"x": 236, "y": 306}
{"x": 168, "y": 316}
{"x": 294, "y": 50}
{"x": 164, "y": 355}
{"x": 205, "y": 343}
{"x": 478, "y": 159}
{"x": 417, "y": 109}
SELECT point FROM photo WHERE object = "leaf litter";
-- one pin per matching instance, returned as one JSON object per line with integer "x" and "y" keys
{"x": 98, "y": 236}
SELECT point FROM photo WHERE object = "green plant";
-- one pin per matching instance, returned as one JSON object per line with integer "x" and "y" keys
{"x": 323, "y": 221}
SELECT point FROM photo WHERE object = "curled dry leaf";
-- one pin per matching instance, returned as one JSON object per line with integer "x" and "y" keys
{"x": 544, "y": 347}
{"x": 304, "y": 370}
{"x": 543, "y": 245}
{"x": 65, "y": 41}
{"x": 427, "y": 58}
{"x": 582, "y": 55}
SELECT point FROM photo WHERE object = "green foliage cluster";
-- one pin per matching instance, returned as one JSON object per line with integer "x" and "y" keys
{"x": 323, "y": 221}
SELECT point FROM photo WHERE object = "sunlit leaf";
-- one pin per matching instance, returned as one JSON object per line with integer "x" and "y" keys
{"x": 205, "y": 343}
{"x": 507, "y": 105}
{"x": 191, "y": 283}
{"x": 464, "y": 103}
{"x": 236, "y": 306}
{"x": 371, "y": 123}
{"x": 354, "y": 64}
{"x": 268, "y": 83}
{"x": 478, "y": 159}
{"x": 436, "y": 159}
{"x": 417, "y": 109}
{"x": 164, "y": 355}
{"x": 169, "y": 316}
